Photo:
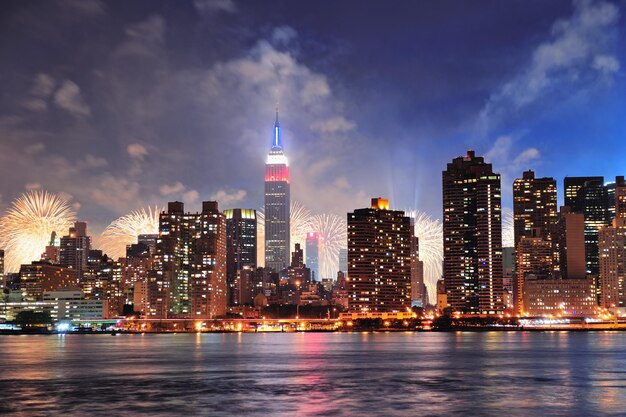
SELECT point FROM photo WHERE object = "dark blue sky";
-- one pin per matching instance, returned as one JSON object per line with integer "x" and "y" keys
{"x": 122, "y": 104}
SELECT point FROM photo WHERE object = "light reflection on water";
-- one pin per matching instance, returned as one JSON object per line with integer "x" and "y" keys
{"x": 316, "y": 374}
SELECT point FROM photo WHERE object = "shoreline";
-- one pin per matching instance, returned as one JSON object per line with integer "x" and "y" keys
{"x": 452, "y": 330}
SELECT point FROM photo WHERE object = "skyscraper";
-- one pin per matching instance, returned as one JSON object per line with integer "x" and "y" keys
{"x": 241, "y": 244}
{"x": 343, "y": 260}
{"x": 570, "y": 239}
{"x": 535, "y": 217}
{"x": 312, "y": 255}
{"x": 74, "y": 249}
{"x": 589, "y": 196}
{"x": 189, "y": 276}
{"x": 277, "y": 200}
{"x": 612, "y": 251}
{"x": 534, "y": 206}
{"x": 379, "y": 259}
{"x": 472, "y": 236}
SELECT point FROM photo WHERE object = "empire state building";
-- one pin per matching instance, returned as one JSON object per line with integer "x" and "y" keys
{"x": 276, "y": 204}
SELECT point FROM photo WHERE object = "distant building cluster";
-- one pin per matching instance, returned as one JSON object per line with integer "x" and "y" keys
{"x": 566, "y": 262}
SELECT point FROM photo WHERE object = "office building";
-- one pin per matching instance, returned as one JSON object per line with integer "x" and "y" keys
{"x": 241, "y": 245}
{"x": 312, "y": 255}
{"x": 560, "y": 298}
{"x": 379, "y": 259}
{"x": 472, "y": 232}
{"x": 589, "y": 196}
{"x": 570, "y": 241}
{"x": 612, "y": 252}
{"x": 277, "y": 204}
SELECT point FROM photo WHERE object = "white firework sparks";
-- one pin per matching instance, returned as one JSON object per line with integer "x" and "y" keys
{"x": 508, "y": 234}
{"x": 124, "y": 231}
{"x": 430, "y": 235}
{"x": 26, "y": 228}
{"x": 300, "y": 224}
{"x": 333, "y": 236}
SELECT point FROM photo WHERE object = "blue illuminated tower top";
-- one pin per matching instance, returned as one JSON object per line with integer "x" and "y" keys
{"x": 277, "y": 144}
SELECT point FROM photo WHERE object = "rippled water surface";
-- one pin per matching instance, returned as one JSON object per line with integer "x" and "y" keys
{"x": 316, "y": 374}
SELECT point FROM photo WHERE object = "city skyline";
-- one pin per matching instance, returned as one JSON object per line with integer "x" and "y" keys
{"x": 116, "y": 136}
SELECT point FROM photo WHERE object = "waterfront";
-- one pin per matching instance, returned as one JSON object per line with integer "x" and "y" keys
{"x": 316, "y": 374}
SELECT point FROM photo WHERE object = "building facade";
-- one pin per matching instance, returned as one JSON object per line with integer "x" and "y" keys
{"x": 241, "y": 235}
{"x": 277, "y": 204}
{"x": 74, "y": 249}
{"x": 472, "y": 232}
{"x": 189, "y": 275}
{"x": 379, "y": 259}
{"x": 535, "y": 217}
{"x": 312, "y": 255}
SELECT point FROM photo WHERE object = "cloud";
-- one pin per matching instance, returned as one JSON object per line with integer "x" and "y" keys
{"x": 92, "y": 162}
{"x": 32, "y": 186}
{"x": 215, "y": 6}
{"x": 43, "y": 85}
{"x": 85, "y": 7}
{"x": 35, "y": 104}
{"x": 283, "y": 35}
{"x": 137, "y": 151}
{"x": 34, "y": 148}
{"x": 115, "y": 193}
{"x": 606, "y": 63}
{"x": 143, "y": 38}
{"x": 342, "y": 183}
{"x": 228, "y": 199}
{"x": 176, "y": 188}
{"x": 337, "y": 124}
{"x": 69, "y": 98}
{"x": 526, "y": 156}
{"x": 191, "y": 196}
{"x": 574, "y": 47}
{"x": 315, "y": 88}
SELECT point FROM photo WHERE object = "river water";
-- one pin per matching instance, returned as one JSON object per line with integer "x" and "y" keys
{"x": 315, "y": 374}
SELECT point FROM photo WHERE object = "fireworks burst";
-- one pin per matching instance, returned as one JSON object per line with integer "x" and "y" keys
{"x": 333, "y": 236}
{"x": 508, "y": 236}
{"x": 124, "y": 231}
{"x": 26, "y": 228}
{"x": 430, "y": 235}
{"x": 300, "y": 223}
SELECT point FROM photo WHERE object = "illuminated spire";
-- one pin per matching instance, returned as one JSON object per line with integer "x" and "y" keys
{"x": 276, "y": 143}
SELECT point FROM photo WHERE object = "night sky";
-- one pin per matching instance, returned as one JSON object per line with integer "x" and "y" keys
{"x": 122, "y": 104}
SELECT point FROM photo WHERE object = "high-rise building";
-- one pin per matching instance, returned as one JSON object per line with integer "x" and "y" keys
{"x": 612, "y": 251}
{"x": 570, "y": 242}
{"x": 2, "y": 282}
{"x": 535, "y": 216}
{"x": 589, "y": 196}
{"x": 189, "y": 270}
{"x": 75, "y": 248}
{"x": 343, "y": 260}
{"x": 535, "y": 210}
{"x": 277, "y": 200}
{"x": 472, "y": 236}
{"x": 534, "y": 261}
{"x": 418, "y": 289}
{"x": 379, "y": 259}
{"x": 150, "y": 240}
{"x": 312, "y": 255}
{"x": 241, "y": 245}
{"x": 102, "y": 280}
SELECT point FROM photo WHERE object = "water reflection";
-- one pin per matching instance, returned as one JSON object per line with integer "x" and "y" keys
{"x": 316, "y": 374}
